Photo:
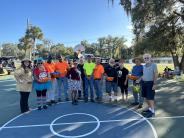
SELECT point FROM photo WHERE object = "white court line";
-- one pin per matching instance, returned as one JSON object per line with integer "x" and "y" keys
{"x": 91, "y": 122}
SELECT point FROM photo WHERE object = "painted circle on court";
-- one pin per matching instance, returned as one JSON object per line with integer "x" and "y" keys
{"x": 78, "y": 136}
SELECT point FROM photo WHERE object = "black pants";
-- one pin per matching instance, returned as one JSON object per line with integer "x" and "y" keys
{"x": 83, "y": 87}
{"x": 124, "y": 89}
{"x": 24, "y": 96}
{"x": 41, "y": 93}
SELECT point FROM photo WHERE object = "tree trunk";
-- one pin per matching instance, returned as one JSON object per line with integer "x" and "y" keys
{"x": 182, "y": 63}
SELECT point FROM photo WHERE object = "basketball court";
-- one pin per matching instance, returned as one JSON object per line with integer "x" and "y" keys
{"x": 84, "y": 120}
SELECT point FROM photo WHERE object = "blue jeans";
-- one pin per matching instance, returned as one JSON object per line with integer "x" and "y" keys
{"x": 111, "y": 86}
{"x": 138, "y": 96}
{"x": 98, "y": 88}
{"x": 62, "y": 81}
{"x": 89, "y": 84}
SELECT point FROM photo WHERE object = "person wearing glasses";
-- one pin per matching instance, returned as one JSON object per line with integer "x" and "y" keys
{"x": 23, "y": 76}
{"x": 149, "y": 81}
{"x": 41, "y": 83}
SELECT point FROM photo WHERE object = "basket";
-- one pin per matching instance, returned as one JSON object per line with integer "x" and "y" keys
{"x": 42, "y": 80}
{"x": 132, "y": 77}
{"x": 136, "y": 88}
{"x": 55, "y": 75}
{"x": 110, "y": 78}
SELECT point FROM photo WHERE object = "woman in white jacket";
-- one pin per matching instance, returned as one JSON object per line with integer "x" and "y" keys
{"x": 23, "y": 77}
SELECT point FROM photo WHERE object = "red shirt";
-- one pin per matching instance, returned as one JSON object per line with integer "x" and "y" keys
{"x": 40, "y": 74}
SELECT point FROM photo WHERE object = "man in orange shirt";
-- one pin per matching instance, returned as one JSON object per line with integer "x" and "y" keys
{"x": 50, "y": 68}
{"x": 98, "y": 75}
{"x": 62, "y": 67}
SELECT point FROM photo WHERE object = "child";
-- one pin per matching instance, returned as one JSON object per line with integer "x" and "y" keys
{"x": 41, "y": 83}
{"x": 123, "y": 79}
{"x": 74, "y": 83}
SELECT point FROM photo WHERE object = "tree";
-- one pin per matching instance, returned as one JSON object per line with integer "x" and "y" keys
{"x": 9, "y": 49}
{"x": 158, "y": 26}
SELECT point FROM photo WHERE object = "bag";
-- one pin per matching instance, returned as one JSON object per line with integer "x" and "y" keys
{"x": 136, "y": 88}
{"x": 132, "y": 77}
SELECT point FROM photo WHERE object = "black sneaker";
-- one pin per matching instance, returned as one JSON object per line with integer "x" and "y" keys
{"x": 59, "y": 100}
{"x": 134, "y": 104}
{"x": 66, "y": 99}
{"x": 44, "y": 107}
{"x": 49, "y": 103}
{"x": 144, "y": 112}
{"x": 92, "y": 100}
{"x": 149, "y": 114}
{"x": 86, "y": 100}
{"x": 53, "y": 102}
{"x": 39, "y": 108}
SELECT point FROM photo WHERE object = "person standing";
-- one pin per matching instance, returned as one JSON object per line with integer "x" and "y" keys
{"x": 62, "y": 67}
{"x": 89, "y": 80}
{"x": 23, "y": 77}
{"x": 74, "y": 83}
{"x": 41, "y": 83}
{"x": 149, "y": 80}
{"x": 50, "y": 68}
{"x": 111, "y": 80}
{"x": 98, "y": 75}
{"x": 137, "y": 71}
{"x": 123, "y": 79}
{"x": 81, "y": 69}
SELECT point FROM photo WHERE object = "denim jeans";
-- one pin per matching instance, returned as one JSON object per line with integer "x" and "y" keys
{"x": 62, "y": 81}
{"x": 89, "y": 83}
{"x": 98, "y": 88}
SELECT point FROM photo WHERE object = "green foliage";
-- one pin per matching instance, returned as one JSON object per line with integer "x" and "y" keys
{"x": 9, "y": 49}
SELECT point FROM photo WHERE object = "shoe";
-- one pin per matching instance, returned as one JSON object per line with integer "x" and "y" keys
{"x": 134, "y": 104}
{"x": 140, "y": 106}
{"x": 66, "y": 99}
{"x": 59, "y": 100}
{"x": 44, "y": 107}
{"x": 92, "y": 100}
{"x": 149, "y": 114}
{"x": 53, "y": 102}
{"x": 115, "y": 101}
{"x": 144, "y": 112}
{"x": 39, "y": 108}
{"x": 86, "y": 100}
{"x": 49, "y": 103}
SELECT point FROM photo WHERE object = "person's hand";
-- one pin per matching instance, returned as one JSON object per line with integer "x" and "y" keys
{"x": 29, "y": 82}
{"x": 154, "y": 87}
{"x": 125, "y": 83}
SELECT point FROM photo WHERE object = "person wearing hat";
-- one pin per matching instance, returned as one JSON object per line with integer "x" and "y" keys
{"x": 89, "y": 80}
{"x": 23, "y": 77}
{"x": 62, "y": 67}
{"x": 50, "y": 68}
{"x": 137, "y": 71}
{"x": 41, "y": 83}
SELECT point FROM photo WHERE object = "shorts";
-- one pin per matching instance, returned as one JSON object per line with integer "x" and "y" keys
{"x": 111, "y": 86}
{"x": 147, "y": 91}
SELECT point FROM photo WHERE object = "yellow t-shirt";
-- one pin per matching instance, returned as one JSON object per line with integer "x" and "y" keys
{"x": 89, "y": 67}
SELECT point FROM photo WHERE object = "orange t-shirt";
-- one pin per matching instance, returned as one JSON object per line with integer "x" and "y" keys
{"x": 62, "y": 67}
{"x": 98, "y": 71}
{"x": 49, "y": 67}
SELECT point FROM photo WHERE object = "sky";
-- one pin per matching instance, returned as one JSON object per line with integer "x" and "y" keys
{"x": 64, "y": 21}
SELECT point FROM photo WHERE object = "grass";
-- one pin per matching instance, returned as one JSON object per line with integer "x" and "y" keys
{"x": 160, "y": 67}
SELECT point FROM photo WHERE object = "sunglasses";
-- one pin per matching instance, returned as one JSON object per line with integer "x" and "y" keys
{"x": 146, "y": 58}
{"x": 40, "y": 63}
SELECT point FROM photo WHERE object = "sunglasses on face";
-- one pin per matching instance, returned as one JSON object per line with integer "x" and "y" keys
{"x": 146, "y": 58}
{"x": 40, "y": 63}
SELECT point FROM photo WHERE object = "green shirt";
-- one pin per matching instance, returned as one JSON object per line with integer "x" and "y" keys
{"x": 89, "y": 67}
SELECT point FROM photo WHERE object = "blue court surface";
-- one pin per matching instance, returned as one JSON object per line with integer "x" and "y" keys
{"x": 89, "y": 120}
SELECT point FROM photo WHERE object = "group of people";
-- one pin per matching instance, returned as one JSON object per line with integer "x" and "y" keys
{"x": 84, "y": 79}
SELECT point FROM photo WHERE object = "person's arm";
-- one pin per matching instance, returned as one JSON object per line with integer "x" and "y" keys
{"x": 126, "y": 80}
